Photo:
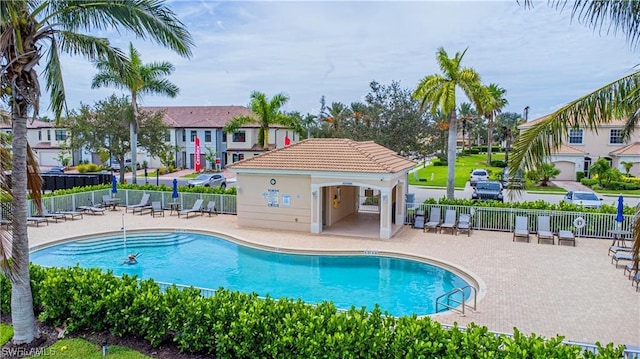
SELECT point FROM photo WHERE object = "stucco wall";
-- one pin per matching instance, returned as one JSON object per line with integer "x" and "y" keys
{"x": 262, "y": 204}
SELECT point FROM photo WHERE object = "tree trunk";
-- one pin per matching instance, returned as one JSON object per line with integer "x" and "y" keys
{"x": 489, "y": 138}
{"x": 451, "y": 155}
{"x": 133, "y": 130}
{"x": 22, "y": 316}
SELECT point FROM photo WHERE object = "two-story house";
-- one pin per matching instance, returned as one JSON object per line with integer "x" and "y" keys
{"x": 46, "y": 140}
{"x": 583, "y": 147}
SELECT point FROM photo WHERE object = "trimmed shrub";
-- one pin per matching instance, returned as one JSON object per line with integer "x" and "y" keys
{"x": 579, "y": 176}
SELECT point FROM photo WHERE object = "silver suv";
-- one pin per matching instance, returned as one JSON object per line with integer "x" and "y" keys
{"x": 208, "y": 180}
{"x": 478, "y": 175}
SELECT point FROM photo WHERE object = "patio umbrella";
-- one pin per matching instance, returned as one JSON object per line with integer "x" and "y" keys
{"x": 175, "y": 189}
{"x": 114, "y": 185}
{"x": 620, "y": 214}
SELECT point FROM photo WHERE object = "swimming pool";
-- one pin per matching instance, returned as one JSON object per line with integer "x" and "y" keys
{"x": 399, "y": 286}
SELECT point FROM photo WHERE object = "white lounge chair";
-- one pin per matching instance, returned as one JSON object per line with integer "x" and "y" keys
{"x": 464, "y": 224}
{"x": 52, "y": 216}
{"x": 449, "y": 221}
{"x": 544, "y": 229}
{"x": 566, "y": 236}
{"x": 197, "y": 207}
{"x": 521, "y": 229}
{"x": 418, "y": 220}
{"x": 156, "y": 209}
{"x": 434, "y": 219}
{"x": 621, "y": 256}
{"x": 144, "y": 202}
{"x": 211, "y": 208}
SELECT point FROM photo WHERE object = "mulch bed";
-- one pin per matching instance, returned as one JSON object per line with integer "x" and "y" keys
{"x": 49, "y": 335}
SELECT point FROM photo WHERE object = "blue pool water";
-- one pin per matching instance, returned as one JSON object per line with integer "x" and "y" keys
{"x": 399, "y": 286}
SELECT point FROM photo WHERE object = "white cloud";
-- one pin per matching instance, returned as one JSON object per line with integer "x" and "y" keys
{"x": 309, "y": 49}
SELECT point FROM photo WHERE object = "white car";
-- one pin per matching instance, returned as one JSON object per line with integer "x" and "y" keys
{"x": 478, "y": 175}
{"x": 583, "y": 198}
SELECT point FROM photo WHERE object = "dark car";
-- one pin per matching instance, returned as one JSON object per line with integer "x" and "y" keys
{"x": 488, "y": 191}
{"x": 54, "y": 170}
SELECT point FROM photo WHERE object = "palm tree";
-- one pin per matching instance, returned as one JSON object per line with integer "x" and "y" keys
{"x": 438, "y": 91}
{"x": 267, "y": 113}
{"x": 336, "y": 114}
{"x": 617, "y": 99}
{"x": 33, "y": 30}
{"x": 493, "y": 105}
{"x": 507, "y": 130}
{"x": 466, "y": 115}
{"x": 139, "y": 79}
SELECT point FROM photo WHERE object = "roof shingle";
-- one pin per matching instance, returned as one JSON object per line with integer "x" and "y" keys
{"x": 199, "y": 116}
{"x": 329, "y": 154}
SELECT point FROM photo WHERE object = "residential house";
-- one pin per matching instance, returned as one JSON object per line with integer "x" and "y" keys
{"x": 583, "y": 147}
{"x": 46, "y": 140}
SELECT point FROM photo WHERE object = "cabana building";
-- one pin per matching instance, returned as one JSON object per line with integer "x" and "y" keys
{"x": 332, "y": 185}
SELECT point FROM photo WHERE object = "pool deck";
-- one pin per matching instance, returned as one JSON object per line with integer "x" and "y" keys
{"x": 538, "y": 288}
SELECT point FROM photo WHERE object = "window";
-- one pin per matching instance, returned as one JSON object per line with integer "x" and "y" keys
{"x": 207, "y": 136}
{"x": 615, "y": 137}
{"x": 575, "y": 137}
{"x": 48, "y": 135}
{"x": 237, "y": 157}
{"x": 193, "y": 136}
{"x": 224, "y": 137}
{"x": 184, "y": 135}
{"x": 61, "y": 135}
{"x": 39, "y": 135}
{"x": 167, "y": 136}
{"x": 239, "y": 136}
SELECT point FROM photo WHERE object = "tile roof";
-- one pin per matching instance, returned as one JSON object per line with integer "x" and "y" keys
{"x": 32, "y": 124}
{"x": 630, "y": 149}
{"x": 200, "y": 116}
{"x": 612, "y": 123}
{"x": 569, "y": 150}
{"x": 329, "y": 154}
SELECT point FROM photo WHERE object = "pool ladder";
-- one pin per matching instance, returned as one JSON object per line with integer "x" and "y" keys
{"x": 453, "y": 303}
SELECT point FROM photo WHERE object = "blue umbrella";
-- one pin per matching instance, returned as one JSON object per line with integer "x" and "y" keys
{"x": 620, "y": 214}
{"x": 175, "y": 189}
{"x": 114, "y": 184}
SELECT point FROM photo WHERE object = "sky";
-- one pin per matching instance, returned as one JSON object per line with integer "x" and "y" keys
{"x": 307, "y": 49}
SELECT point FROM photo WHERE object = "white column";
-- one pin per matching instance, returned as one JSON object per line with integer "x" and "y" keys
{"x": 385, "y": 214}
{"x": 316, "y": 221}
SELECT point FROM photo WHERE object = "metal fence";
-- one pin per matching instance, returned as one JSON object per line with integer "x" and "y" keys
{"x": 596, "y": 225}
{"x": 225, "y": 203}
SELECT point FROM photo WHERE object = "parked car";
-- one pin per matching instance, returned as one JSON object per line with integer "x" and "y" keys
{"x": 585, "y": 199}
{"x": 478, "y": 175}
{"x": 115, "y": 165}
{"x": 487, "y": 191}
{"x": 208, "y": 180}
{"x": 515, "y": 181}
{"x": 54, "y": 170}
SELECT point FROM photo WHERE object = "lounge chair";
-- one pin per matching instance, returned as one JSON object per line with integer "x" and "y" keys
{"x": 53, "y": 216}
{"x": 36, "y": 220}
{"x": 636, "y": 280}
{"x": 144, "y": 202}
{"x": 449, "y": 221}
{"x": 91, "y": 209}
{"x": 434, "y": 219}
{"x": 211, "y": 208}
{"x": 464, "y": 224}
{"x": 71, "y": 214}
{"x": 156, "y": 209}
{"x": 197, "y": 207}
{"x": 521, "y": 229}
{"x": 108, "y": 201}
{"x": 616, "y": 249}
{"x": 631, "y": 268}
{"x": 621, "y": 256}
{"x": 544, "y": 229}
{"x": 566, "y": 236}
{"x": 418, "y": 220}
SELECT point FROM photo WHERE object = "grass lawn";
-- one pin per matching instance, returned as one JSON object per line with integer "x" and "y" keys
{"x": 80, "y": 348}
{"x": 6, "y": 333}
{"x": 437, "y": 175}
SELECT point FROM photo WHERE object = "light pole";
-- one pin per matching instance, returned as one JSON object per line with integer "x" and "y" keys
{"x": 526, "y": 113}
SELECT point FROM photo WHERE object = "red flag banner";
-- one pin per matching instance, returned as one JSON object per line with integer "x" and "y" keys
{"x": 287, "y": 141}
{"x": 197, "y": 155}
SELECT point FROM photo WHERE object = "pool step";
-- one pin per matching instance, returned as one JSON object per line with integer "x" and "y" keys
{"x": 134, "y": 241}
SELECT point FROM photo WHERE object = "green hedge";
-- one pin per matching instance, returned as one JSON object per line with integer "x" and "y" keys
{"x": 237, "y": 325}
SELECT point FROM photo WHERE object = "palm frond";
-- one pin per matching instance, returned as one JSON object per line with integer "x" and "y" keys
{"x": 237, "y": 122}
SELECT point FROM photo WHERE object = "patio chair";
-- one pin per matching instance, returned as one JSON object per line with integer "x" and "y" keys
{"x": 621, "y": 256}
{"x": 636, "y": 281}
{"x": 52, "y": 216}
{"x": 418, "y": 220}
{"x": 197, "y": 207}
{"x": 434, "y": 220}
{"x": 464, "y": 224}
{"x": 91, "y": 209}
{"x": 449, "y": 221}
{"x": 631, "y": 268}
{"x": 156, "y": 209}
{"x": 566, "y": 236}
{"x": 521, "y": 229}
{"x": 616, "y": 249}
{"x": 70, "y": 214}
{"x": 36, "y": 219}
{"x": 144, "y": 202}
{"x": 211, "y": 208}
{"x": 544, "y": 229}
